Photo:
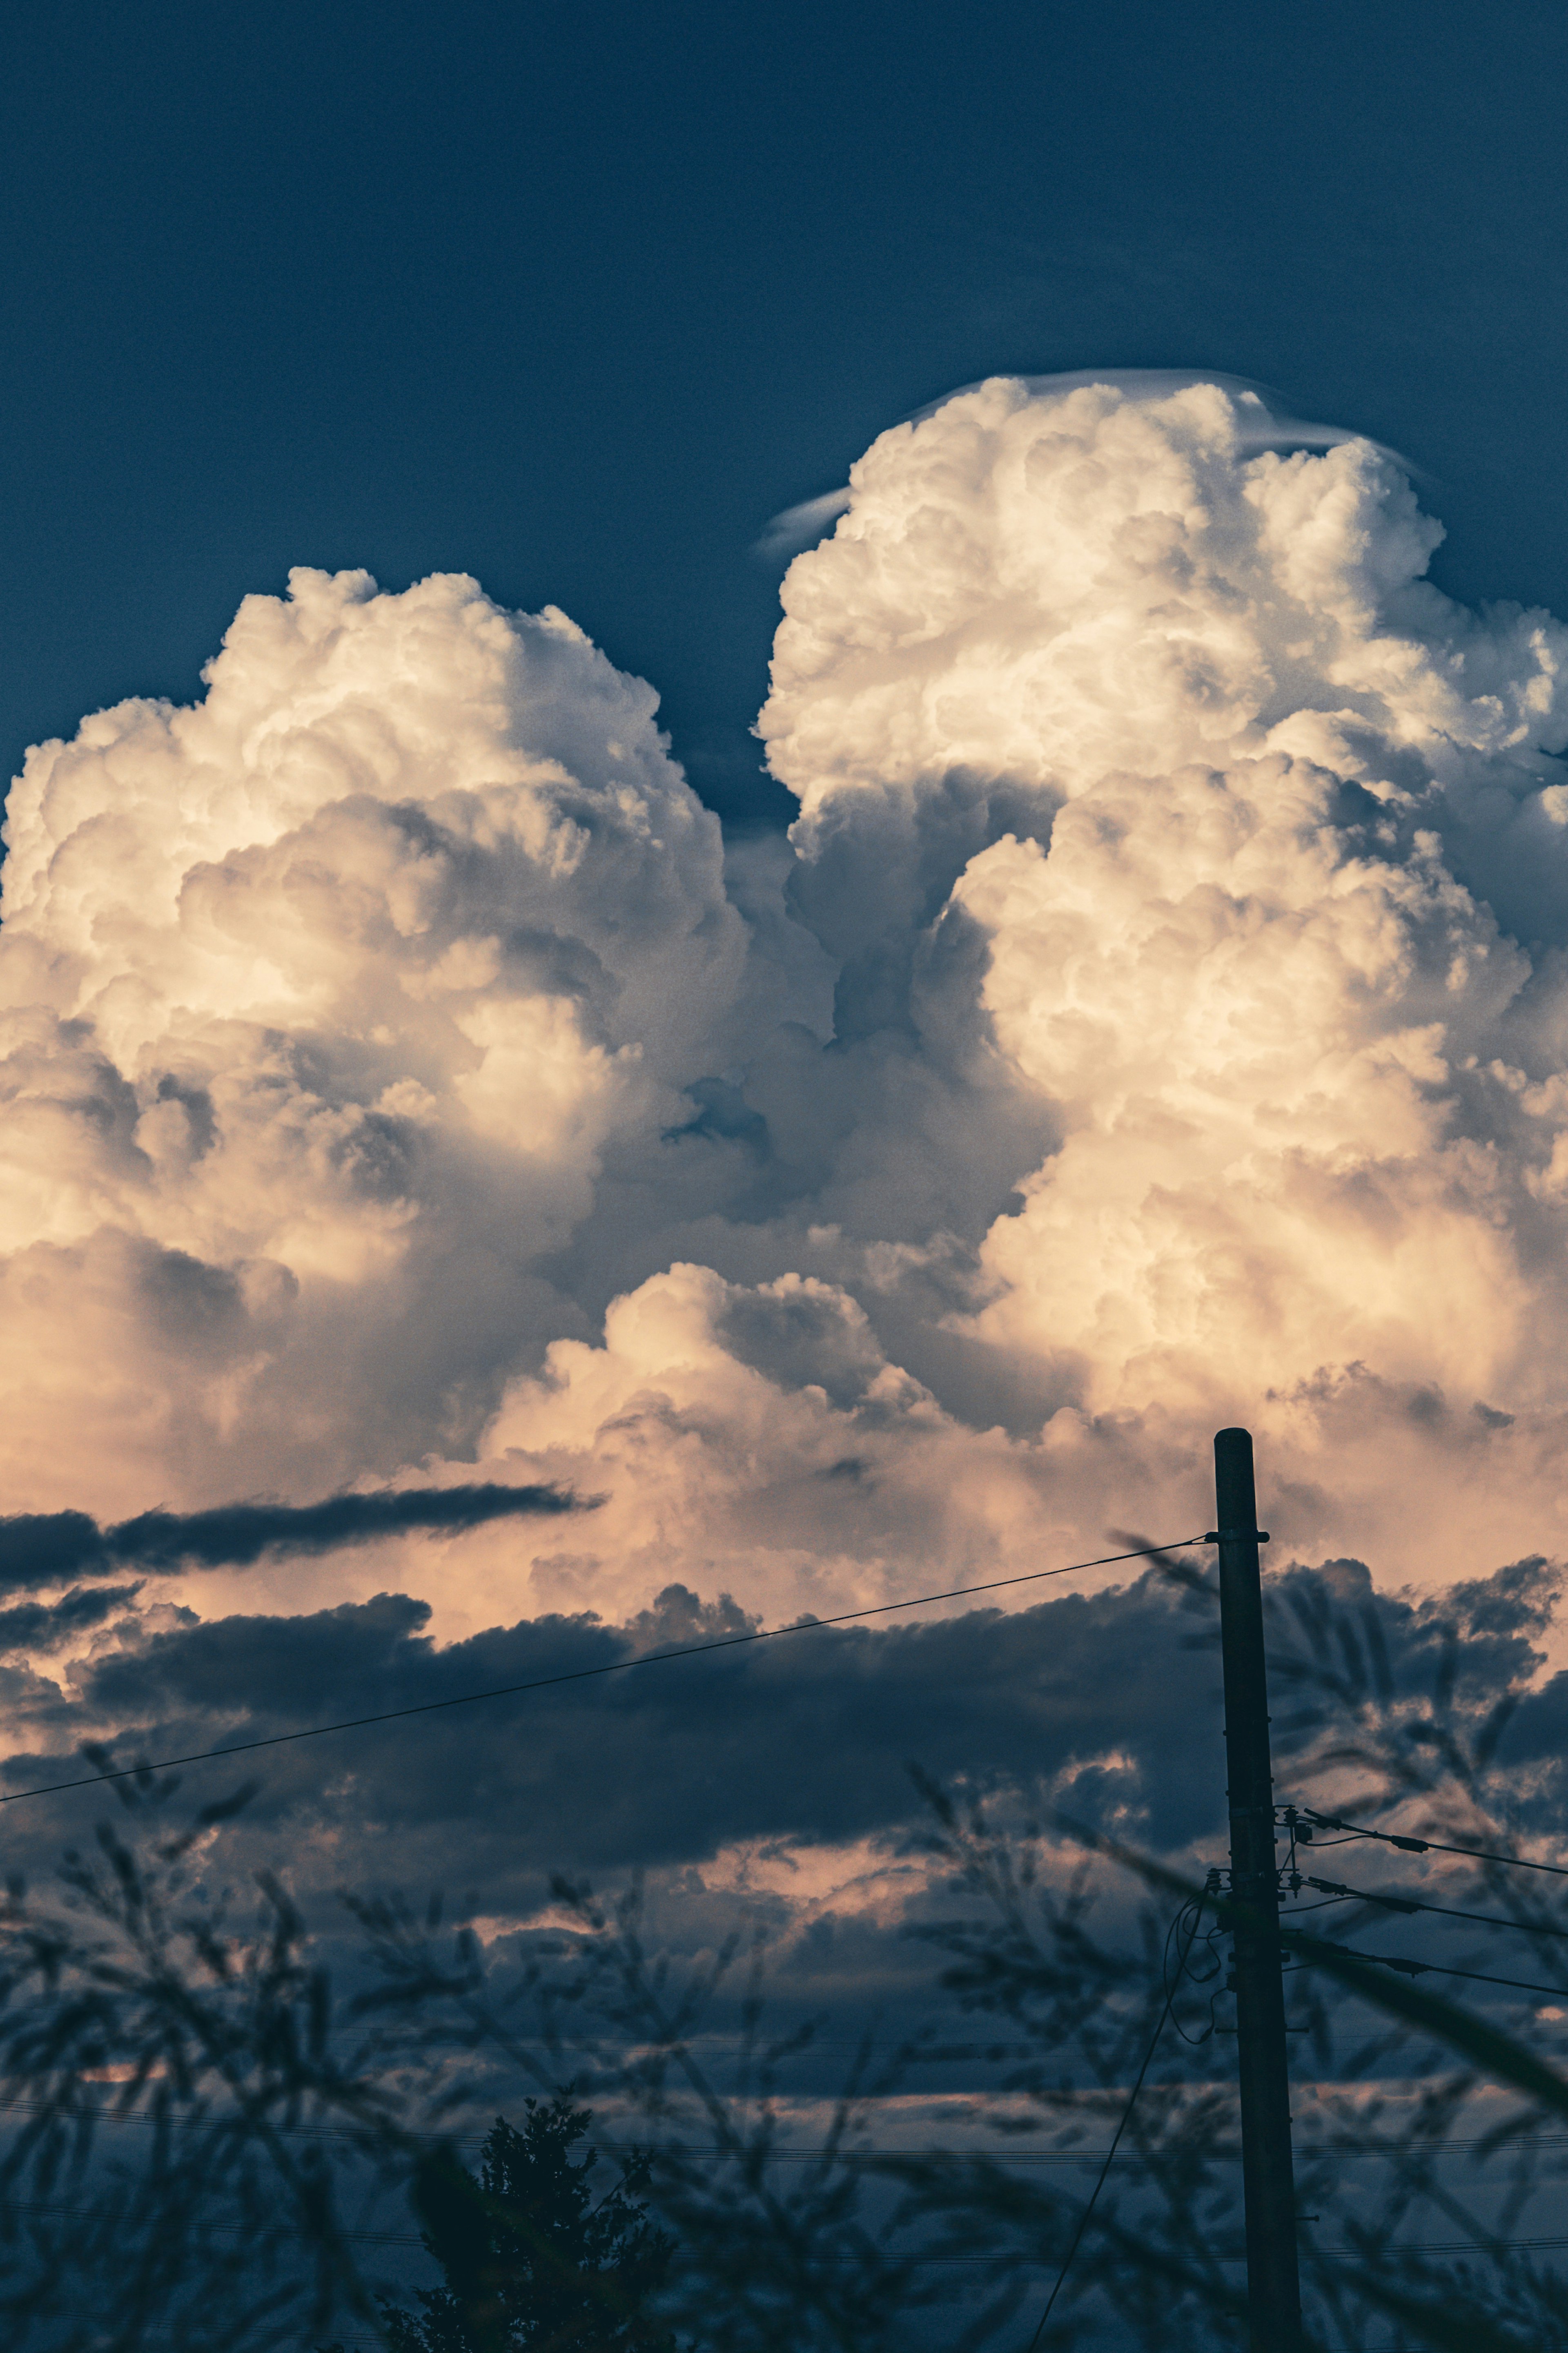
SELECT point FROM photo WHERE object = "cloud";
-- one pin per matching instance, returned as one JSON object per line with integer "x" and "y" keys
{"x": 1261, "y": 841}
{"x": 1040, "y": 590}
{"x": 1157, "y": 1017}
{"x": 1155, "y": 1020}
{"x": 46, "y": 1625}
{"x": 1106, "y": 1705}
{"x": 799, "y": 526}
{"x": 805, "y": 1740}
{"x": 322, "y": 1002}
{"x": 44, "y": 1547}
{"x": 1262, "y": 423}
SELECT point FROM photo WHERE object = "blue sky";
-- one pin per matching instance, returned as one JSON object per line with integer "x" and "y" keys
{"x": 574, "y": 299}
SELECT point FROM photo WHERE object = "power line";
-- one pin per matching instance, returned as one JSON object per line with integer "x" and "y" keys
{"x": 1443, "y": 1969}
{"x": 1445, "y": 1911}
{"x": 1122, "y": 2122}
{"x": 586, "y": 1675}
{"x": 1430, "y": 1846}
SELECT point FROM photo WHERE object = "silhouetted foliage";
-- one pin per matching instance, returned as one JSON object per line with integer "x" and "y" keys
{"x": 530, "y": 2259}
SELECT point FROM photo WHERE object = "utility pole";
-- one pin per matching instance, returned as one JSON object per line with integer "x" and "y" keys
{"x": 1268, "y": 2183}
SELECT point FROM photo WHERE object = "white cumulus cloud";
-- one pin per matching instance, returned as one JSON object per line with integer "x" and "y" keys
{"x": 1159, "y": 1017}
{"x": 322, "y": 1000}
{"x": 1264, "y": 838}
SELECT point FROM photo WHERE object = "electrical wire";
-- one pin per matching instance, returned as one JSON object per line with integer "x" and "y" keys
{"x": 1443, "y": 1969}
{"x": 1171, "y": 1988}
{"x": 1429, "y": 1846}
{"x": 1412, "y": 1904}
{"x": 587, "y": 1674}
{"x": 1122, "y": 2122}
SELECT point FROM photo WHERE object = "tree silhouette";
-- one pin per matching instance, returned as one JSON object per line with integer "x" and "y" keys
{"x": 530, "y": 2259}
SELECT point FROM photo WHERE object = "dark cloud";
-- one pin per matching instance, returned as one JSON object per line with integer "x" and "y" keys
{"x": 45, "y": 1625}
{"x": 46, "y": 1548}
{"x": 43, "y": 1547}
{"x": 1106, "y": 1705}
{"x": 781, "y": 1745}
{"x": 1333, "y": 1634}
{"x": 1099, "y": 1699}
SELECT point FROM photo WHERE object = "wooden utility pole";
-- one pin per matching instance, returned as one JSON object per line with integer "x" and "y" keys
{"x": 1268, "y": 2184}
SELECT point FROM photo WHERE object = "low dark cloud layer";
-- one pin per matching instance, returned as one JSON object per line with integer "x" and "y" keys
{"x": 1106, "y": 1705}
{"x": 46, "y": 1548}
{"x": 806, "y": 1741}
{"x": 810, "y": 1737}
{"x": 764, "y": 1784}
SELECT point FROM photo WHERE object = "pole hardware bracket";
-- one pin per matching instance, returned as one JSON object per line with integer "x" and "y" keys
{"x": 1237, "y": 1535}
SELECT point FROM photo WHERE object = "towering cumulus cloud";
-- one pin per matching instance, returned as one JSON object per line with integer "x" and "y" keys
{"x": 323, "y": 1001}
{"x": 398, "y": 1087}
{"x": 1268, "y": 848}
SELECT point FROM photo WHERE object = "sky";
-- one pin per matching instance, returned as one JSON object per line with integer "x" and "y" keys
{"x": 574, "y": 301}
{"x": 568, "y": 1087}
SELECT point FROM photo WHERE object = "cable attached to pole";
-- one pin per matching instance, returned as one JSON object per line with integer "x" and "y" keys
{"x": 1441, "y": 1968}
{"x": 1391, "y": 1903}
{"x": 1429, "y": 1846}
